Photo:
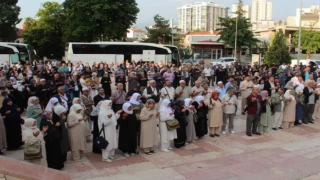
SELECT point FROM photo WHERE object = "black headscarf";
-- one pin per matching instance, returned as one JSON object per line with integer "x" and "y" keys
{"x": 12, "y": 108}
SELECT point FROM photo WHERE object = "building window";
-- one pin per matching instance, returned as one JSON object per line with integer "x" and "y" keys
{"x": 243, "y": 52}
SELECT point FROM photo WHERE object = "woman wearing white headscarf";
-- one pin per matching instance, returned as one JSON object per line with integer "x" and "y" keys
{"x": 166, "y": 137}
{"x": 34, "y": 110}
{"x": 289, "y": 111}
{"x": 128, "y": 128}
{"x": 136, "y": 104}
{"x": 299, "y": 106}
{"x": 78, "y": 101}
{"x": 51, "y": 104}
{"x": 201, "y": 125}
{"x": 94, "y": 117}
{"x": 190, "y": 129}
{"x": 107, "y": 119}
{"x": 77, "y": 131}
{"x": 149, "y": 133}
{"x": 59, "y": 116}
{"x": 32, "y": 136}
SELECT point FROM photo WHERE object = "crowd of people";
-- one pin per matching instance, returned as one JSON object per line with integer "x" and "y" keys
{"x": 69, "y": 105}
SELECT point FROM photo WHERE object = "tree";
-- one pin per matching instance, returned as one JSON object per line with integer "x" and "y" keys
{"x": 45, "y": 32}
{"x": 9, "y": 18}
{"x": 92, "y": 20}
{"x": 278, "y": 52}
{"x": 160, "y": 32}
{"x": 310, "y": 41}
{"x": 185, "y": 53}
{"x": 245, "y": 37}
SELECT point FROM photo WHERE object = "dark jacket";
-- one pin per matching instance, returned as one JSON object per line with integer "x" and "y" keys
{"x": 307, "y": 94}
{"x": 252, "y": 106}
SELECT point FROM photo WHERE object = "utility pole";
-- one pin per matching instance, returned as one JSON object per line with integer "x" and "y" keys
{"x": 236, "y": 38}
{"x": 299, "y": 41}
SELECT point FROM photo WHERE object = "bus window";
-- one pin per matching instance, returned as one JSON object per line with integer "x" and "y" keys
{"x": 14, "y": 58}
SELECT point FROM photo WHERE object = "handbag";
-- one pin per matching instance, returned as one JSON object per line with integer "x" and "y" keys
{"x": 172, "y": 124}
{"x": 32, "y": 150}
{"x": 195, "y": 117}
{"x": 100, "y": 142}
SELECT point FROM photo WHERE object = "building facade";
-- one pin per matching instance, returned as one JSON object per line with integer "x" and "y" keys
{"x": 202, "y": 16}
{"x": 261, "y": 11}
{"x": 136, "y": 34}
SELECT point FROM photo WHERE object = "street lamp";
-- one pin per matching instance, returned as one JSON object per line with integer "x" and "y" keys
{"x": 236, "y": 38}
{"x": 299, "y": 40}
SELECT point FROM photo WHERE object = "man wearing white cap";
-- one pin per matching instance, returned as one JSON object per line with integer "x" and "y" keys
{"x": 221, "y": 89}
{"x": 183, "y": 91}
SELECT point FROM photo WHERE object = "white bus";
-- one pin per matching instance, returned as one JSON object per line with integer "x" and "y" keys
{"x": 26, "y": 52}
{"x": 10, "y": 54}
{"x": 118, "y": 52}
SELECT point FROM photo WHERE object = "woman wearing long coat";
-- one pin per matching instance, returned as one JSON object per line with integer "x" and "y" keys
{"x": 289, "y": 110}
{"x": 299, "y": 106}
{"x": 149, "y": 133}
{"x": 77, "y": 131}
{"x": 59, "y": 116}
{"x": 106, "y": 84}
{"x": 201, "y": 124}
{"x": 12, "y": 121}
{"x": 128, "y": 128}
{"x": 107, "y": 119}
{"x": 266, "y": 115}
{"x": 166, "y": 137}
{"x": 34, "y": 110}
{"x": 180, "y": 115}
{"x": 3, "y": 137}
{"x": 215, "y": 114}
{"x": 190, "y": 129}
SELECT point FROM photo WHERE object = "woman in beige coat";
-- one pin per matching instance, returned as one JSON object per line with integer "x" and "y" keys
{"x": 289, "y": 111}
{"x": 77, "y": 131}
{"x": 149, "y": 133}
{"x": 215, "y": 114}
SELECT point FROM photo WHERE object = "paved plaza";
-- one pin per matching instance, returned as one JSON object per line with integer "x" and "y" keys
{"x": 278, "y": 155}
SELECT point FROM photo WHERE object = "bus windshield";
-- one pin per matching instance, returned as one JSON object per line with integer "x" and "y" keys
{"x": 23, "y": 51}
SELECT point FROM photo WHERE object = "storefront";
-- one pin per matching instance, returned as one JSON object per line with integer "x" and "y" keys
{"x": 207, "y": 48}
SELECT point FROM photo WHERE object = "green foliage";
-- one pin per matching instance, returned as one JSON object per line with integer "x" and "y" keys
{"x": 310, "y": 40}
{"x": 185, "y": 53}
{"x": 160, "y": 32}
{"x": 278, "y": 50}
{"x": 92, "y": 20}
{"x": 45, "y": 33}
{"x": 9, "y": 18}
{"x": 245, "y": 37}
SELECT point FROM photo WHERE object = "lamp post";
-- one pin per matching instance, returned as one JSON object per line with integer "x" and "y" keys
{"x": 236, "y": 38}
{"x": 299, "y": 40}
{"x": 172, "y": 38}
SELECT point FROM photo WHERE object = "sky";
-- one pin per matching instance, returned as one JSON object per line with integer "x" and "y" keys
{"x": 168, "y": 8}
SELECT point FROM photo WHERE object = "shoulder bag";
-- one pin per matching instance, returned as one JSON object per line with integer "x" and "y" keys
{"x": 101, "y": 142}
{"x": 32, "y": 150}
{"x": 172, "y": 124}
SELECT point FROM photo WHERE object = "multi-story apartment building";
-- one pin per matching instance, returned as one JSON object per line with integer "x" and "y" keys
{"x": 202, "y": 16}
{"x": 245, "y": 8}
{"x": 261, "y": 11}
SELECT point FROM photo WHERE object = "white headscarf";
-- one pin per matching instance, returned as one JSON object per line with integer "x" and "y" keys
{"x": 164, "y": 107}
{"x": 133, "y": 99}
{"x": 125, "y": 108}
{"x": 51, "y": 103}
{"x": 75, "y": 100}
{"x": 287, "y": 95}
{"x": 187, "y": 102}
{"x": 59, "y": 110}
{"x": 31, "y": 104}
{"x": 105, "y": 111}
{"x": 74, "y": 108}
{"x": 299, "y": 90}
{"x": 28, "y": 128}
{"x": 96, "y": 110}
{"x": 199, "y": 99}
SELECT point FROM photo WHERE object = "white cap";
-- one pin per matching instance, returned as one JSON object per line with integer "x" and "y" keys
{"x": 220, "y": 82}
